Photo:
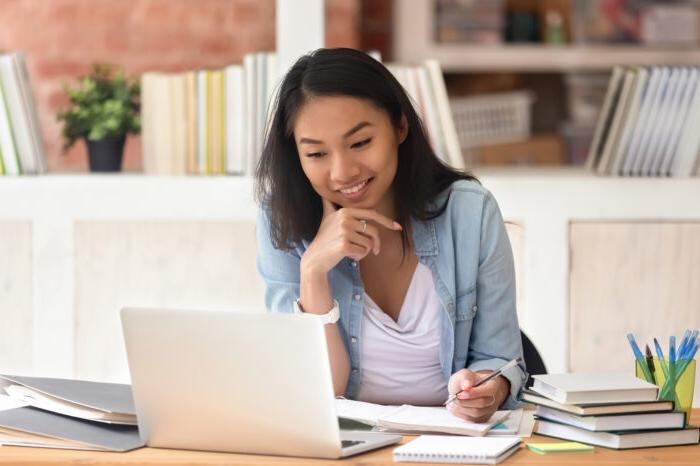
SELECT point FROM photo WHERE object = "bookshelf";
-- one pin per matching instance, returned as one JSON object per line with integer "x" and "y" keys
{"x": 413, "y": 43}
{"x": 566, "y": 80}
{"x": 544, "y": 58}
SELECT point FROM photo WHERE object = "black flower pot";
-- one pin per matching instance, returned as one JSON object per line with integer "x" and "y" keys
{"x": 105, "y": 155}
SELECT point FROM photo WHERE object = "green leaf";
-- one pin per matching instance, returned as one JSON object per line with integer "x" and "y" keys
{"x": 105, "y": 104}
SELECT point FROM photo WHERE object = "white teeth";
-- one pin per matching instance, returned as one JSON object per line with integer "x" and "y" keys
{"x": 354, "y": 189}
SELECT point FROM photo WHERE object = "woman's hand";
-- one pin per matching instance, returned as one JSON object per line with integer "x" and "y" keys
{"x": 345, "y": 232}
{"x": 476, "y": 404}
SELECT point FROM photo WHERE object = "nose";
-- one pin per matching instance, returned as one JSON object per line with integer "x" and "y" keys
{"x": 343, "y": 168}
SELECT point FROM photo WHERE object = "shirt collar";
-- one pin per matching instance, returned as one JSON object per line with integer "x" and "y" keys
{"x": 424, "y": 237}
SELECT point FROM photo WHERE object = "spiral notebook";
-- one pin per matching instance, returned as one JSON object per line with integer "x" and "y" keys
{"x": 454, "y": 449}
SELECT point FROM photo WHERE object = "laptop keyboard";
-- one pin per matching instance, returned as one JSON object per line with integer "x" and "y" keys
{"x": 351, "y": 443}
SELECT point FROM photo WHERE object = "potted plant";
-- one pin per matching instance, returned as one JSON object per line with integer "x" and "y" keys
{"x": 103, "y": 109}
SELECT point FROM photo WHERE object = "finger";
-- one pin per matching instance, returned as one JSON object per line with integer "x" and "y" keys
{"x": 355, "y": 252}
{"x": 372, "y": 232}
{"x": 376, "y": 217}
{"x": 454, "y": 385}
{"x": 481, "y": 402}
{"x": 328, "y": 207}
{"x": 487, "y": 389}
{"x": 360, "y": 240}
{"x": 461, "y": 380}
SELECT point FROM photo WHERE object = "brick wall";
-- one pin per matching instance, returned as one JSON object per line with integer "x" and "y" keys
{"x": 63, "y": 38}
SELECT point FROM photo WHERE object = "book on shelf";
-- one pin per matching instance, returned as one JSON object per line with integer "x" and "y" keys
{"x": 620, "y": 439}
{"x": 207, "y": 121}
{"x": 213, "y": 121}
{"x": 599, "y": 409}
{"x": 648, "y": 123}
{"x": 425, "y": 85}
{"x": 21, "y": 146}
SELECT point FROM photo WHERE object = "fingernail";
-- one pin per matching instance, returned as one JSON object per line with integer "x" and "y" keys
{"x": 397, "y": 226}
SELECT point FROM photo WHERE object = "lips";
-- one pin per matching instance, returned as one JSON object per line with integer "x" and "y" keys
{"x": 355, "y": 188}
{"x": 356, "y": 191}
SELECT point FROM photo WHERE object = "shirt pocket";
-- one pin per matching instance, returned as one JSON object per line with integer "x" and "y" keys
{"x": 466, "y": 305}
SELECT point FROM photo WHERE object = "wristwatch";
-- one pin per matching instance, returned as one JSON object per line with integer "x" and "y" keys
{"x": 330, "y": 317}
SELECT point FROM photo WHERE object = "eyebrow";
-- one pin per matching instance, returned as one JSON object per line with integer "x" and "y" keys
{"x": 349, "y": 133}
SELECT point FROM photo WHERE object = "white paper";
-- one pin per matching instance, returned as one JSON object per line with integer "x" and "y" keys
{"x": 439, "y": 419}
{"x": 360, "y": 411}
{"x": 8, "y": 403}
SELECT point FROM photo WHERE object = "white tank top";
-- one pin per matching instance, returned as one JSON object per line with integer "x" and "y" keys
{"x": 401, "y": 360}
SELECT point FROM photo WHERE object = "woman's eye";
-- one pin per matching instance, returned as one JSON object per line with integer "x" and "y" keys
{"x": 357, "y": 145}
{"x": 315, "y": 154}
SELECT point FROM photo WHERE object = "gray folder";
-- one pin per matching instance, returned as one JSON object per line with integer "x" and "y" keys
{"x": 103, "y": 436}
{"x": 108, "y": 397}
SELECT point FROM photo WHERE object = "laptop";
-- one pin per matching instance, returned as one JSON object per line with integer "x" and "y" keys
{"x": 236, "y": 382}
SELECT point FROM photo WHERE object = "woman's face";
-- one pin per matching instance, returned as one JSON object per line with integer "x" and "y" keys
{"x": 348, "y": 150}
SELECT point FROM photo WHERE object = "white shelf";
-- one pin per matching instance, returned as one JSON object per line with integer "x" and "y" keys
{"x": 521, "y": 192}
{"x": 543, "y": 201}
{"x": 543, "y": 58}
{"x": 413, "y": 43}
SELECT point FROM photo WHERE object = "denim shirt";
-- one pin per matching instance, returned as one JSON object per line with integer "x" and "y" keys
{"x": 468, "y": 252}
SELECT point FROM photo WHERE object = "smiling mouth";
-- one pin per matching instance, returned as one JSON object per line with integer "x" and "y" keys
{"x": 355, "y": 188}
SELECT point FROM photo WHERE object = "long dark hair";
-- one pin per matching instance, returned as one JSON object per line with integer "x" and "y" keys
{"x": 293, "y": 207}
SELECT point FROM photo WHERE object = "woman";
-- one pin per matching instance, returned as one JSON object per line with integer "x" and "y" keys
{"x": 360, "y": 216}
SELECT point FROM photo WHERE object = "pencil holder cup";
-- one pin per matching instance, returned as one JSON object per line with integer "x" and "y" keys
{"x": 675, "y": 384}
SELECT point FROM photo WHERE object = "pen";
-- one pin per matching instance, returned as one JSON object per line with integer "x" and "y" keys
{"x": 650, "y": 364}
{"x": 684, "y": 341}
{"x": 660, "y": 355}
{"x": 483, "y": 380}
{"x": 639, "y": 357}
{"x": 688, "y": 346}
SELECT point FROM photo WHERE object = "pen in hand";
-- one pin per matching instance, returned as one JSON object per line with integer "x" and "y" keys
{"x": 488, "y": 377}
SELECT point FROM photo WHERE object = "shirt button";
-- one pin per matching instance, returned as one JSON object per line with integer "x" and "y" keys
{"x": 357, "y": 297}
{"x": 354, "y": 263}
{"x": 355, "y": 371}
{"x": 474, "y": 308}
{"x": 353, "y": 339}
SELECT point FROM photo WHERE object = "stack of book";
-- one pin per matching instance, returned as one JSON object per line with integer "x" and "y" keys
{"x": 425, "y": 85}
{"x": 648, "y": 123}
{"x": 609, "y": 410}
{"x": 21, "y": 146}
{"x": 71, "y": 414}
{"x": 213, "y": 122}
{"x": 207, "y": 122}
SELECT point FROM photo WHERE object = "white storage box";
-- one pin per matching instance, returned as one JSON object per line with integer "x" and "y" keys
{"x": 492, "y": 118}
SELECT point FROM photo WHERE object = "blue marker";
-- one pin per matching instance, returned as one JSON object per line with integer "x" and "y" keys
{"x": 690, "y": 343}
{"x": 635, "y": 348}
{"x": 684, "y": 341}
{"x": 640, "y": 359}
{"x": 660, "y": 355}
{"x": 672, "y": 349}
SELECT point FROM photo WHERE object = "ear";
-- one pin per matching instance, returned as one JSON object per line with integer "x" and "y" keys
{"x": 403, "y": 129}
